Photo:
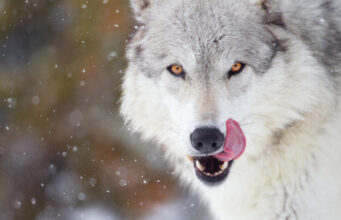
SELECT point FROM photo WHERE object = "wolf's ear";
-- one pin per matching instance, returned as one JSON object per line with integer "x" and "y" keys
{"x": 272, "y": 14}
{"x": 139, "y": 6}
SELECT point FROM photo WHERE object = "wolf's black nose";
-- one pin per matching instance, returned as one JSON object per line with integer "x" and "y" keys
{"x": 207, "y": 140}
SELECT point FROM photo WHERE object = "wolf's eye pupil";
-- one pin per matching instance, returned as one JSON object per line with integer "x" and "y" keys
{"x": 236, "y": 68}
{"x": 176, "y": 70}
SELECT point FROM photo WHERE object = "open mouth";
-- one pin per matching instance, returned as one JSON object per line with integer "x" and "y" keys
{"x": 211, "y": 170}
{"x": 214, "y": 169}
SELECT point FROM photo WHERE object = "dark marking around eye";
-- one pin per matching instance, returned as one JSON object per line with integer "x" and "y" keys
{"x": 237, "y": 68}
{"x": 176, "y": 70}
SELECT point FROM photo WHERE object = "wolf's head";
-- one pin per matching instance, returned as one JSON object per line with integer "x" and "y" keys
{"x": 204, "y": 75}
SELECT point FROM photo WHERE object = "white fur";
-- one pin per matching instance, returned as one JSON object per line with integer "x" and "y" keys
{"x": 293, "y": 176}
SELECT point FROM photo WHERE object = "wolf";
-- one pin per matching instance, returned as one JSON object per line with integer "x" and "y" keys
{"x": 243, "y": 97}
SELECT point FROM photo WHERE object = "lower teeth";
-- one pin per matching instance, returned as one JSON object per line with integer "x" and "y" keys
{"x": 215, "y": 174}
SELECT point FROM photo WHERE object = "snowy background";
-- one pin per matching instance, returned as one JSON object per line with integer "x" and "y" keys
{"x": 64, "y": 153}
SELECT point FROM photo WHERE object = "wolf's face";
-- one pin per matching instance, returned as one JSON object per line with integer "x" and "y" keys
{"x": 202, "y": 71}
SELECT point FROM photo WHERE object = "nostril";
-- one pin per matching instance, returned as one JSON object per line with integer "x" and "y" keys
{"x": 199, "y": 145}
{"x": 214, "y": 145}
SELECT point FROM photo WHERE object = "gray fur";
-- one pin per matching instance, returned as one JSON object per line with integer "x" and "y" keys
{"x": 208, "y": 34}
{"x": 322, "y": 31}
{"x": 201, "y": 26}
{"x": 286, "y": 100}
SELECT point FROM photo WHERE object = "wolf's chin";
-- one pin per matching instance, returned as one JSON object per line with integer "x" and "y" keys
{"x": 211, "y": 170}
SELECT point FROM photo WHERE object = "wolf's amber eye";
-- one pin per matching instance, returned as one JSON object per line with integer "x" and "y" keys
{"x": 176, "y": 70}
{"x": 236, "y": 68}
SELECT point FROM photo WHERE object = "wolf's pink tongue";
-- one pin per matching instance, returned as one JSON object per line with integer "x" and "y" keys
{"x": 235, "y": 142}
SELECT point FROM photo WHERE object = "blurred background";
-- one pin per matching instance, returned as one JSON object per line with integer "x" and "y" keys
{"x": 64, "y": 152}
